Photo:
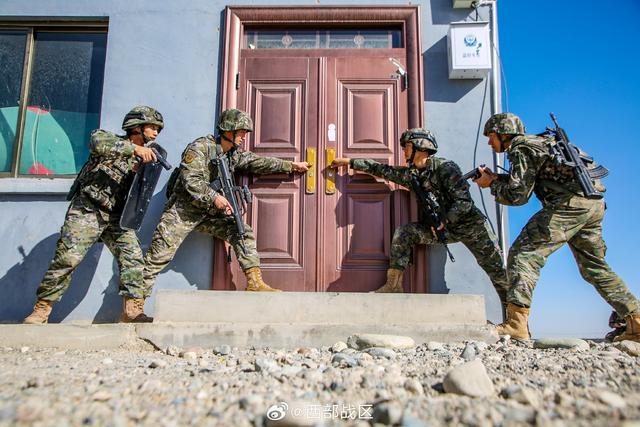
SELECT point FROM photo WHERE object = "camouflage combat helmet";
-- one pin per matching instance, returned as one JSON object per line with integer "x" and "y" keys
{"x": 504, "y": 123}
{"x": 232, "y": 120}
{"x": 422, "y": 140}
{"x": 142, "y": 115}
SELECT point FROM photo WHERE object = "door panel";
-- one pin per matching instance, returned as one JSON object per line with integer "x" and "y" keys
{"x": 281, "y": 97}
{"x": 364, "y": 242}
{"x": 276, "y": 108}
{"x": 367, "y": 110}
{"x": 369, "y": 107}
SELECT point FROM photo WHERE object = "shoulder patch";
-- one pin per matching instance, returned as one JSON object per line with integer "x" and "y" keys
{"x": 189, "y": 156}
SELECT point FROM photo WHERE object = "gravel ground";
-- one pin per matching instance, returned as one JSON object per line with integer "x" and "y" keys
{"x": 503, "y": 384}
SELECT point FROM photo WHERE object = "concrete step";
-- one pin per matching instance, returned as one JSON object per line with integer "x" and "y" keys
{"x": 278, "y": 320}
{"x": 294, "y": 319}
{"x": 69, "y": 336}
{"x": 328, "y": 308}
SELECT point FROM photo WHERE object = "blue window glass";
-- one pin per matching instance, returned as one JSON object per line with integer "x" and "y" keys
{"x": 63, "y": 103}
{"x": 12, "y": 51}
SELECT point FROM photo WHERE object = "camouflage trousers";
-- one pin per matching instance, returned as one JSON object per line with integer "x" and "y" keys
{"x": 577, "y": 222}
{"x": 177, "y": 222}
{"x": 83, "y": 226}
{"x": 476, "y": 235}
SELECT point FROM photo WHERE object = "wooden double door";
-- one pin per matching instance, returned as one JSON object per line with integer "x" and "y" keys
{"x": 322, "y": 231}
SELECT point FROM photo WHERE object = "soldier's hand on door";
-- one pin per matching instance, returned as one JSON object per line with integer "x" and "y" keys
{"x": 301, "y": 166}
{"x": 221, "y": 203}
{"x": 340, "y": 162}
{"x": 144, "y": 153}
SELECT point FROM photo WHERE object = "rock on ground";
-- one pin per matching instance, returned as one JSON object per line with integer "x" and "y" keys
{"x": 469, "y": 379}
{"x": 571, "y": 343}
{"x": 309, "y": 386}
{"x": 362, "y": 341}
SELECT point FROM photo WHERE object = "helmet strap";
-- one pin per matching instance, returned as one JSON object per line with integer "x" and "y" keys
{"x": 504, "y": 141}
{"x": 146, "y": 138}
{"x": 232, "y": 140}
{"x": 136, "y": 132}
{"x": 413, "y": 156}
{"x": 223, "y": 136}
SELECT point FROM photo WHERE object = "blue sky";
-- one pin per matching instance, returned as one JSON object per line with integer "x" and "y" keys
{"x": 581, "y": 61}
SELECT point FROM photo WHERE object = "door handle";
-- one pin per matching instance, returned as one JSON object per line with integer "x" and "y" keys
{"x": 330, "y": 180}
{"x": 311, "y": 173}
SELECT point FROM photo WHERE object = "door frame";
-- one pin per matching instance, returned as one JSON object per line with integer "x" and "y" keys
{"x": 408, "y": 17}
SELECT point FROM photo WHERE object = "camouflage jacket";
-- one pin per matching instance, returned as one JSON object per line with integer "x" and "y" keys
{"x": 197, "y": 171}
{"x": 106, "y": 177}
{"x": 533, "y": 170}
{"x": 441, "y": 177}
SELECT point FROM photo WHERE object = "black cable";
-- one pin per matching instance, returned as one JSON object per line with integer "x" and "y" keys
{"x": 475, "y": 152}
{"x": 503, "y": 77}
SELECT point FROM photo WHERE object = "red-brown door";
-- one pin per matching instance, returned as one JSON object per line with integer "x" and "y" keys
{"x": 367, "y": 103}
{"x": 356, "y": 105}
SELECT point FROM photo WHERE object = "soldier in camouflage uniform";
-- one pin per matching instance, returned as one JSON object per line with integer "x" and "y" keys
{"x": 193, "y": 204}
{"x": 566, "y": 217}
{"x": 463, "y": 220}
{"x": 99, "y": 195}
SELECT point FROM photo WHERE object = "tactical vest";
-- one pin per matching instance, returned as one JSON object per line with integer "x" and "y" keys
{"x": 431, "y": 180}
{"x": 105, "y": 180}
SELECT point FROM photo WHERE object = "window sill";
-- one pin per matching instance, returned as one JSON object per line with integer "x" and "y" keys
{"x": 35, "y": 185}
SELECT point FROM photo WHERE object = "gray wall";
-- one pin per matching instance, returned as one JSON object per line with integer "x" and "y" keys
{"x": 166, "y": 53}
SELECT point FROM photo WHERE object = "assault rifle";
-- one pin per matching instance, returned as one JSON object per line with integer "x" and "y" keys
{"x": 473, "y": 174}
{"x": 565, "y": 153}
{"x": 430, "y": 209}
{"x": 237, "y": 196}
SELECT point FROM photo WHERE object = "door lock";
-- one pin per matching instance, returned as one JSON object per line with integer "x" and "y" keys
{"x": 311, "y": 172}
{"x": 330, "y": 181}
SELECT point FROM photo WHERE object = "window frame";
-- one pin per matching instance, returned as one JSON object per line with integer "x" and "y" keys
{"x": 30, "y": 27}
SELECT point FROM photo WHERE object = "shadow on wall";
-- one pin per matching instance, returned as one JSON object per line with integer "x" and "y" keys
{"x": 437, "y": 85}
{"x": 19, "y": 285}
{"x": 359, "y": 230}
{"x": 442, "y": 13}
{"x": 437, "y": 260}
{"x": 111, "y": 305}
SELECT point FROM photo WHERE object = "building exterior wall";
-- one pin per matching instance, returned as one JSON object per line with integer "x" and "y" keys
{"x": 167, "y": 54}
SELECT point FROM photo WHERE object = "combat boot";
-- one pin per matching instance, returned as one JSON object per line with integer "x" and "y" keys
{"x": 133, "y": 311}
{"x": 255, "y": 282}
{"x": 632, "y": 333}
{"x": 393, "y": 284}
{"x": 41, "y": 312}
{"x": 517, "y": 323}
{"x": 618, "y": 324}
